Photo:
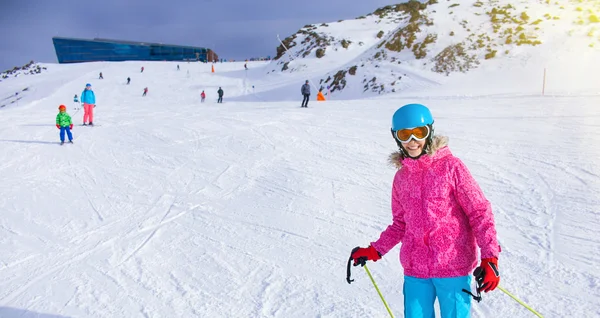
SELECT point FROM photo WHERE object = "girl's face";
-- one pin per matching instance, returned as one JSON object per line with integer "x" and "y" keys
{"x": 413, "y": 147}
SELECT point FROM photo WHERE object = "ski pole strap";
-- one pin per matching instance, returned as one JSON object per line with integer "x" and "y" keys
{"x": 478, "y": 273}
{"x": 521, "y": 302}
{"x": 348, "y": 271}
{"x": 475, "y": 297}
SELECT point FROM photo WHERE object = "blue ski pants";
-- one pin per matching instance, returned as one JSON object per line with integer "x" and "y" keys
{"x": 62, "y": 133}
{"x": 420, "y": 295}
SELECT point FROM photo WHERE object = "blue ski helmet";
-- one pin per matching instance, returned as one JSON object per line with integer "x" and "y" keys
{"x": 411, "y": 116}
{"x": 88, "y": 85}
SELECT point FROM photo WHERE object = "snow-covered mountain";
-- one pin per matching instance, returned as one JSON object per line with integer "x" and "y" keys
{"x": 515, "y": 47}
{"x": 414, "y": 46}
{"x": 30, "y": 68}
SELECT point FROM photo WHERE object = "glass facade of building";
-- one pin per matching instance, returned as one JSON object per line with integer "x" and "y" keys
{"x": 79, "y": 50}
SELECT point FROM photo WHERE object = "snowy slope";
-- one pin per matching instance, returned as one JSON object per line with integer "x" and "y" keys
{"x": 173, "y": 208}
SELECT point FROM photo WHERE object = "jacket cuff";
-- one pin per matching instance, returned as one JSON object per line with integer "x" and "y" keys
{"x": 491, "y": 252}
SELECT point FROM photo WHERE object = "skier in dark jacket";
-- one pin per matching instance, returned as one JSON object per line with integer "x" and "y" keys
{"x": 306, "y": 93}
{"x": 128, "y": 80}
{"x": 220, "y": 92}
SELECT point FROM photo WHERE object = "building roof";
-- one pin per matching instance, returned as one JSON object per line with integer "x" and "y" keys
{"x": 128, "y": 42}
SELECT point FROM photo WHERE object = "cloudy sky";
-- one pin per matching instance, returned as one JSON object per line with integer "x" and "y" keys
{"x": 235, "y": 29}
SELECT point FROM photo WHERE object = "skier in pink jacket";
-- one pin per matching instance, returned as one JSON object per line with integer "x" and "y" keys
{"x": 440, "y": 215}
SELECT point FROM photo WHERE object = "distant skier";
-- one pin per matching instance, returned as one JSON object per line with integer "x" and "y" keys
{"x": 145, "y": 91}
{"x": 128, "y": 80}
{"x": 246, "y": 66}
{"x": 441, "y": 217}
{"x": 89, "y": 102}
{"x": 320, "y": 96}
{"x": 305, "y": 90}
{"x": 76, "y": 101}
{"x": 101, "y": 77}
{"x": 142, "y": 70}
{"x": 64, "y": 123}
{"x": 202, "y": 97}
{"x": 178, "y": 67}
{"x": 220, "y": 92}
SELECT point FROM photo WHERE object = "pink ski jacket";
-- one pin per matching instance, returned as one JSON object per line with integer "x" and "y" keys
{"x": 439, "y": 214}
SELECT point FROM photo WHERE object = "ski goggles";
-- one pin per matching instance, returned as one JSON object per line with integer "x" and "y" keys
{"x": 417, "y": 133}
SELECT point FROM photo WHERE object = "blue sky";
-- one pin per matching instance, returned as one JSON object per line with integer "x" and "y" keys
{"x": 234, "y": 29}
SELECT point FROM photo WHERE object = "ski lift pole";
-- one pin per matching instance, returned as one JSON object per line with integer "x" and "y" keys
{"x": 520, "y": 302}
{"x": 378, "y": 291}
{"x": 290, "y": 59}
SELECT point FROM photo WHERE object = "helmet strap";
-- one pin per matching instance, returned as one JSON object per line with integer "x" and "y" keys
{"x": 406, "y": 155}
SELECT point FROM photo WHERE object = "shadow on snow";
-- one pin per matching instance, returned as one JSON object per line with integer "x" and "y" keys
{"x": 30, "y": 142}
{"x": 22, "y": 313}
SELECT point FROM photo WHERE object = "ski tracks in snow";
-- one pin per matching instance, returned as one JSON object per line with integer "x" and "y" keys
{"x": 247, "y": 210}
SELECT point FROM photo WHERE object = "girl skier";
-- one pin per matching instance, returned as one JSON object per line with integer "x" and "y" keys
{"x": 64, "y": 123}
{"x": 88, "y": 99}
{"x": 202, "y": 97}
{"x": 440, "y": 215}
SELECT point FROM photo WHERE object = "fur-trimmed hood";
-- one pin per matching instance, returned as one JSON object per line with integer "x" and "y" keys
{"x": 437, "y": 143}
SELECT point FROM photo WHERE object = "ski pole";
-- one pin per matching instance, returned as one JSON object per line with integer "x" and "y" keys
{"x": 362, "y": 261}
{"x": 520, "y": 302}
{"x": 378, "y": 291}
{"x": 478, "y": 273}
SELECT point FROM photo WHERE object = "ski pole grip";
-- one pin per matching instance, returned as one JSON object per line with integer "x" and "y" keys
{"x": 348, "y": 268}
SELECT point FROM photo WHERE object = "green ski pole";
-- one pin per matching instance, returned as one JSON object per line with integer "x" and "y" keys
{"x": 520, "y": 302}
{"x": 478, "y": 273}
{"x": 378, "y": 291}
{"x": 363, "y": 262}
